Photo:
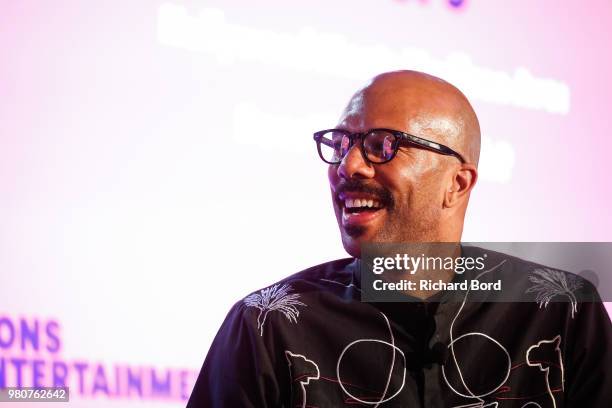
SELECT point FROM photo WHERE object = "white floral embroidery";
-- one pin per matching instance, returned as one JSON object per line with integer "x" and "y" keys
{"x": 549, "y": 283}
{"x": 274, "y": 298}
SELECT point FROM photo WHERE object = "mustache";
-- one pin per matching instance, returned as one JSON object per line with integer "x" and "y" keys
{"x": 356, "y": 186}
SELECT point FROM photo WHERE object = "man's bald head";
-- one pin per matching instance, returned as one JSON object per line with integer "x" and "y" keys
{"x": 422, "y": 105}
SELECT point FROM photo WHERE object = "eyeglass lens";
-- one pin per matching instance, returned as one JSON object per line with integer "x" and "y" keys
{"x": 378, "y": 146}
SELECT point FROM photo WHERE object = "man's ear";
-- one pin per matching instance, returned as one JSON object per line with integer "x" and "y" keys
{"x": 460, "y": 185}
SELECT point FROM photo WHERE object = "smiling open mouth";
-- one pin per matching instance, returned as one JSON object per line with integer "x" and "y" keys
{"x": 359, "y": 209}
{"x": 358, "y": 205}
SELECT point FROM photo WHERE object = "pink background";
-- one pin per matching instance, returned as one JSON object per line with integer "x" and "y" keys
{"x": 141, "y": 196}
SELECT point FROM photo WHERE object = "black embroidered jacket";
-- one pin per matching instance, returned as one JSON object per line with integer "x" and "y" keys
{"x": 308, "y": 341}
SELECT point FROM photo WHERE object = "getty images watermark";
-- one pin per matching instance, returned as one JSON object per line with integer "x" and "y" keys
{"x": 429, "y": 265}
{"x": 492, "y": 272}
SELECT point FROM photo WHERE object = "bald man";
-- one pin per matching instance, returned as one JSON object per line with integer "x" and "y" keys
{"x": 402, "y": 163}
{"x": 428, "y": 190}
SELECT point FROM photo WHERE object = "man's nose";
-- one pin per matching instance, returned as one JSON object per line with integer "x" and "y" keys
{"x": 354, "y": 165}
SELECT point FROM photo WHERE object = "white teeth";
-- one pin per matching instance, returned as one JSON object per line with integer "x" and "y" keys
{"x": 353, "y": 203}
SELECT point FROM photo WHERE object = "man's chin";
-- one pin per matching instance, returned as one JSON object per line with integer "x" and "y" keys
{"x": 352, "y": 239}
{"x": 355, "y": 232}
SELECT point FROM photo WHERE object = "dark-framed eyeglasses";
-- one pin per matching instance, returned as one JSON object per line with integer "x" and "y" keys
{"x": 377, "y": 145}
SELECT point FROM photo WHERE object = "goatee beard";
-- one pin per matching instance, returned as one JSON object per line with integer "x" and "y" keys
{"x": 354, "y": 231}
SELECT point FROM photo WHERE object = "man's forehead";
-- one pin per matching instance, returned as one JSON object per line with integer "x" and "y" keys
{"x": 405, "y": 111}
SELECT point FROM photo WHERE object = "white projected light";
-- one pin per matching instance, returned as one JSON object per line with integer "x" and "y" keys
{"x": 209, "y": 32}
{"x": 496, "y": 160}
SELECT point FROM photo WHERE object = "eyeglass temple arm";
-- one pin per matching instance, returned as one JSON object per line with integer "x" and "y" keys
{"x": 319, "y": 138}
{"x": 433, "y": 146}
